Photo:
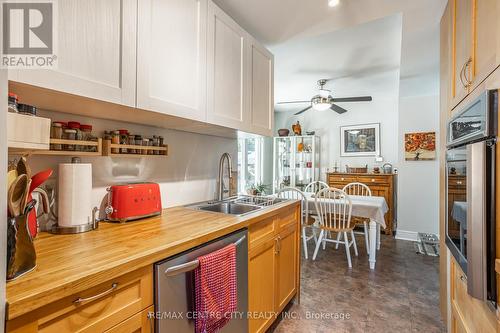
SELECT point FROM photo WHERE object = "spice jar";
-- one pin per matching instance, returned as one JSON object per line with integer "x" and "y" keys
{"x": 131, "y": 141}
{"x": 115, "y": 139}
{"x": 28, "y": 110}
{"x": 78, "y": 135}
{"x": 145, "y": 143}
{"x": 13, "y": 103}
{"x": 87, "y": 136}
{"x": 123, "y": 140}
{"x": 69, "y": 134}
{"x": 138, "y": 142}
{"x": 156, "y": 143}
{"x": 160, "y": 141}
{"x": 56, "y": 132}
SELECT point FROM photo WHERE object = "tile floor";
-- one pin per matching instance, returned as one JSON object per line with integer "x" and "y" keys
{"x": 401, "y": 295}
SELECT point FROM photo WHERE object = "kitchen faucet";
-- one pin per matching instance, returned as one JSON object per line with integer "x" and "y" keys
{"x": 220, "y": 181}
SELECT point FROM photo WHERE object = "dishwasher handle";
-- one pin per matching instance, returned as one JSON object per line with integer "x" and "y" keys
{"x": 192, "y": 265}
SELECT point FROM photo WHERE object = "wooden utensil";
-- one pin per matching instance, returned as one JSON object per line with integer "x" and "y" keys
{"x": 23, "y": 167}
{"x": 11, "y": 176}
{"x": 16, "y": 197}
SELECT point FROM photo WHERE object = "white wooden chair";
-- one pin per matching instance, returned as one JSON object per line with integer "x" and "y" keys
{"x": 362, "y": 190}
{"x": 315, "y": 187}
{"x": 334, "y": 208}
{"x": 306, "y": 221}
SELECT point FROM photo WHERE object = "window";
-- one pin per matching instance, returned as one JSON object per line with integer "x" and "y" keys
{"x": 249, "y": 163}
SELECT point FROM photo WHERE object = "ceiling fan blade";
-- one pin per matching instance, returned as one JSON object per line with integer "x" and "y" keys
{"x": 353, "y": 99}
{"x": 304, "y": 110}
{"x": 293, "y": 102}
{"x": 338, "y": 109}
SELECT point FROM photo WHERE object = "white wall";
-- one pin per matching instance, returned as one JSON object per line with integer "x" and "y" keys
{"x": 187, "y": 175}
{"x": 327, "y": 125}
{"x": 418, "y": 188}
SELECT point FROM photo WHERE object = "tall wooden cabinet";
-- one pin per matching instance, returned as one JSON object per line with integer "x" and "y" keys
{"x": 96, "y": 52}
{"x": 273, "y": 266}
{"x": 381, "y": 185}
{"x": 475, "y": 44}
{"x": 171, "y": 57}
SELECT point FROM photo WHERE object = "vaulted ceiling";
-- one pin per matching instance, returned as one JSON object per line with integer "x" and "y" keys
{"x": 380, "y": 47}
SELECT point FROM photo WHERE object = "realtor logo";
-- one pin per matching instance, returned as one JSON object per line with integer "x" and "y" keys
{"x": 28, "y": 34}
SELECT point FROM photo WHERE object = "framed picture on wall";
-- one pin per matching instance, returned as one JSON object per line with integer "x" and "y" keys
{"x": 360, "y": 140}
{"x": 420, "y": 146}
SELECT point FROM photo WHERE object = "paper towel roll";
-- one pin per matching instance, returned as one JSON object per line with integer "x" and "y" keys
{"x": 75, "y": 192}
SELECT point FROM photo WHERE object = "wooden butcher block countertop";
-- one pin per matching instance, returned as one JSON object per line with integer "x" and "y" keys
{"x": 72, "y": 263}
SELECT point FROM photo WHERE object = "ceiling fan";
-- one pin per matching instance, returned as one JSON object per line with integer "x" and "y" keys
{"x": 324, "y": 101}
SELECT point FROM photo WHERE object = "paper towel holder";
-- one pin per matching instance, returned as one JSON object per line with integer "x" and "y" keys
{"x": 56, "y": 229}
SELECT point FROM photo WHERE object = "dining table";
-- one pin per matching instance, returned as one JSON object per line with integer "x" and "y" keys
{"x": 373, "y": 208}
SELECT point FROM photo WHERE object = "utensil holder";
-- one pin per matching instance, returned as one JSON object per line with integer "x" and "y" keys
{"x": 21, "y": 255}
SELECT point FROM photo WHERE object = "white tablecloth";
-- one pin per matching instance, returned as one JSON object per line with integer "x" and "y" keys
{"x": 373, "y": 208}
{"x": 459, "y": 212}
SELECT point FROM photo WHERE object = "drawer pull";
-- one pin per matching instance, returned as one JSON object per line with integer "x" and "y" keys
{"x": 373, "y": 180}
{"x": 81, "y": 300}
{"x": 459, "y": 182}
{"x": 463, "y": 278}
{"x": 342, "y": 178}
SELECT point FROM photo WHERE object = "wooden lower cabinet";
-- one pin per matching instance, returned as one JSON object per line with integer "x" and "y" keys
{"x": 273, "y": 278}
{"x": 468, "y": 314}
{"x": 139, "y": 323}
{"x": 118, "y": 309}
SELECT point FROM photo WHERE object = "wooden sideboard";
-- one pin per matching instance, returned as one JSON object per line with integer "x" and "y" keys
{"x": 381, "y": 185}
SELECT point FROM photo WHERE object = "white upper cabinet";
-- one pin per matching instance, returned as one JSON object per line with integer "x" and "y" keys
{"x": 171, "y": 57}
{"x": 262, "y": 92}
{"x": 227, "y": 71}
{"x": 96, "y": 51}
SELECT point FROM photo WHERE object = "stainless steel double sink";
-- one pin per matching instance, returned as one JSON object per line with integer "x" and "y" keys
{"x": 240, "y": 205}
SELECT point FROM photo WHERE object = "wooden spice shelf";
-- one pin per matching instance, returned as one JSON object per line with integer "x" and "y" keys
{"x": 108, "y": 146}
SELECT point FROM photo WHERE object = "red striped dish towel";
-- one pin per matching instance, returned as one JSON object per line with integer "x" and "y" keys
{"x": 215, "y": 289}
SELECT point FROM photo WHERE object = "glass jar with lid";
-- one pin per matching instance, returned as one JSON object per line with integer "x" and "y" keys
{"x": 115, "y": 139}
{"x": 69, "y": 134}
{"x": 87, "y": 136}
{"x": 74, "y": 125}
{"x": 123, "y": 140}
{"x": 138, "y": 142}
{"x": 56, "y": 132}
{"x": 131, "y": 141}
{"x": 27, "y": 110}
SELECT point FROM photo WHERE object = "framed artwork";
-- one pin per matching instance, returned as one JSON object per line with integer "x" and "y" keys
{"x": 420, "y": 146}
{"x": 360, "y": 140}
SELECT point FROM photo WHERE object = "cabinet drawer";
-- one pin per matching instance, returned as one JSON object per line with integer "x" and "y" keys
{"x": 138, "y": 323}
{"x": 262, "y": 231}
{"x": 373, "y": 179}
{"x": 287, "y": 219}
{"x": 342, "y": 179}
{"x": 101, "y": 307}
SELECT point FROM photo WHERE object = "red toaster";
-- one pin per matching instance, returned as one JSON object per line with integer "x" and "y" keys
{"x": 133, "y": 201}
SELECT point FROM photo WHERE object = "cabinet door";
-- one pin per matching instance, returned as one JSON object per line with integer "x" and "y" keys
{"x": 287, "y": 266}
{"x": 261, "y": 95}
{"x": 139, "y": 323}
{"x": 227, "y": 71}
{"x": 171, "y": 57}
{"x": 485, "y": 38}
{"x": 262, "y": 285}
{"x": 462, "y": 52}
{"x": 457, "y": 325}
{"x": 96, "y": 51}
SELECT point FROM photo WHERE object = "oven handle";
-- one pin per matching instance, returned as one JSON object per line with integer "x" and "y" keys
{"x": 191, "y": 265}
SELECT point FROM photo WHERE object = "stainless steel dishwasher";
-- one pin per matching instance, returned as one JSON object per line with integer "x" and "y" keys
{"x": 174, "y": 287}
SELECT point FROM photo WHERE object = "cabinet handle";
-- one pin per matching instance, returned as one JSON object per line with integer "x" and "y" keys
{"x": 467, "y": 80}
{"x": 463, "y": 278}
{"x": 342, "y": 178}
{"x": 81, "y": 300}
{"x": 462, "y": 76}
{"x": 279, "y": 244}
{"x": 276, "y": 246}
{"x": 459, "y": 182}
{"x": 373, "y": 180}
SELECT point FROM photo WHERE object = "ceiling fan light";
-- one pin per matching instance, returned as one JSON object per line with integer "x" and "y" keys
{"x": 333, "y": 3}
{"x": 321, "y": 106}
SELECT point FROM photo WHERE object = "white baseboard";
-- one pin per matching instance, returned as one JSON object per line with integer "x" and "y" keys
{"x": 407, "y": 235}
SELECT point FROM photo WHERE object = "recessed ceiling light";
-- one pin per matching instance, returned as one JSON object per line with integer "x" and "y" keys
{"x": 333, "y": 3}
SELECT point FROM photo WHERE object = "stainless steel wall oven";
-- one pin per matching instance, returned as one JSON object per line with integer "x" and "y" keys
{"x": 470, "y": 193}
